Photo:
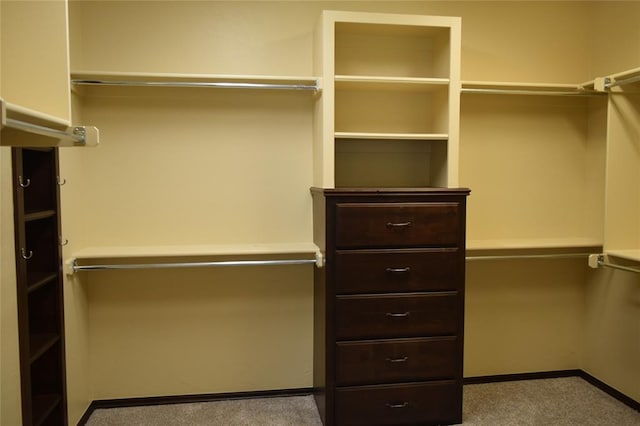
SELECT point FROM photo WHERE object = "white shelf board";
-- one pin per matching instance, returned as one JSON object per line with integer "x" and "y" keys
{"x": 633, "y": 72}
{"x": 533, "y": 243}
{"x": 390, "y": 83}
{"x": 23, "y": 127}
{"x": 468, "y": 84}
{"x": 393, "y": 136}
{"x": 121, "y": 252}
{"x": 21, "y": 113}
{"x": 625, "y": 254}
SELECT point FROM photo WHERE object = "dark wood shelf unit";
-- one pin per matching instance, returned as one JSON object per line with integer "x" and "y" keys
{"x": 39, "y": 286}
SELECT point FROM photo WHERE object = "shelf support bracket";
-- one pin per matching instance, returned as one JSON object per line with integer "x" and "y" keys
{"x": 20, "y": 126}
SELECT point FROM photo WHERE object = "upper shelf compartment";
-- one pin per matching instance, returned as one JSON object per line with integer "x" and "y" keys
{"x": 410, "y": 51}
{"x": 389, "y": 112}
{"x": 254, "y": 82}
{"x": 382, "y": 110}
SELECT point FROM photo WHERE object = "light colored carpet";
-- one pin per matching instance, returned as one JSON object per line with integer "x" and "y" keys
{"x": 286, "y": 411}
{"x": 549, "y": 402}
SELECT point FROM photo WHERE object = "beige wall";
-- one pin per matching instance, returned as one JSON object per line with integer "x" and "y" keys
{"x": 613, "y": 37}
{"x": 194, "y": 331}
{"x": 35, "y": 68}
{"x": 9, "y": 357}
{"x": 501, "y": 41}
{"x": 523, "y": 316}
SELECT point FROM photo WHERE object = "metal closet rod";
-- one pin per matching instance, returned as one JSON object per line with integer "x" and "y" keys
{"x": 529, "y": 256}
{"x": 541, "y": 92}
{"x": 603, "y": 262}
{"x": 210, "y": 84}
{"x": 75, "y": 267}
{"x": 76, "y": 134}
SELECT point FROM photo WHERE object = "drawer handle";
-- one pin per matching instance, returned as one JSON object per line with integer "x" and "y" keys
{"x": 398, "y": 315}
{"x": 403, "y": 405}
{"x": 398, "y": 224}
{"x": 398, "y": 270}
{"x": 403, "y": 359}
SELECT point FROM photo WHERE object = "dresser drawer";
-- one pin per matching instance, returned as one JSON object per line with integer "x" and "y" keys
{"x": 396, "y": 360}
{"x": 410, "y": 315}
{"x": 412, "y": 404}
{"x": 397, "y": 224}
{"x": 377, "y": 271}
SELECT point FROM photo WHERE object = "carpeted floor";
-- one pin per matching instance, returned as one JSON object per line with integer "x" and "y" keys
{"x": 549, "y": 402}
{"x": 289, "y": 411}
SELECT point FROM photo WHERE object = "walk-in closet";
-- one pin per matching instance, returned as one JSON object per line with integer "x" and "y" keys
{"x": 195, "y": 196}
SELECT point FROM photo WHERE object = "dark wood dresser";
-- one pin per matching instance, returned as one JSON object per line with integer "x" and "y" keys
{"x": 389, "y": 305}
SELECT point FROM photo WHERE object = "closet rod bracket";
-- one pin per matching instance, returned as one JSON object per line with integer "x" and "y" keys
{"x": 603, "y": 84}
{"x": 600, "y": 260}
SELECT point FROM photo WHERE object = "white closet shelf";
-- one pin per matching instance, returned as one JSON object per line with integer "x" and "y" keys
{"x": 633, "y": 72}
{"x": 633, "y": 255}
{"x": 588, "y": 85}
{"x": 523, "y": 88}
{"x": 115, "y": 252}
{"x": 518, "y": 85}
{"x": 534, "y": 243}
{"x": 393, "y": 136}
{"x": 194, "y": 255}
{"x": 20, "y": 126}
{"x": 392, "y": 83}
{"x": 568, "y": 248}
{"x": 86, "y": 78}
{"x": 18, "y": 112}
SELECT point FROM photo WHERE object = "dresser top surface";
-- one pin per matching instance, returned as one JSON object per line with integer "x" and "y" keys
{"x": 391, "y": 191}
